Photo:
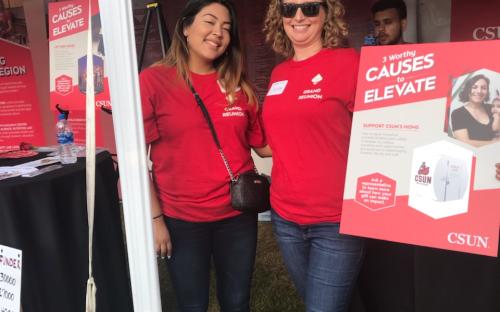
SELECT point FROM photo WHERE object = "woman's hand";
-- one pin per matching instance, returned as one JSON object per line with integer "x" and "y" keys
{"x": 163, "y": 245}
{"x": 161, "y": 236}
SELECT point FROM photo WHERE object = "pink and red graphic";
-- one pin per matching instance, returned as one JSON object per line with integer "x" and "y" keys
{"x": 405, "y": 180}
{"x": 19, "y": 107}
{"x": 68, "y": 27}
{"x": 376, "y": 192}
{"x": 64, "y": 85}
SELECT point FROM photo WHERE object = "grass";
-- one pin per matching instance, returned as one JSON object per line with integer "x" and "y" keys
{"x": 272, "y": 289}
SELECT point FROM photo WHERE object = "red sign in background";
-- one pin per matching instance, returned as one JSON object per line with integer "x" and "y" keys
{"x": 474, "y": 20}
{"x": 68, "y": 25}
{"x": 20, "y": 119}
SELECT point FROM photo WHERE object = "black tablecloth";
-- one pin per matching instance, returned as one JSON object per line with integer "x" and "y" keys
{"x": 46, "y": 217}
{"x": 404, "y": 278}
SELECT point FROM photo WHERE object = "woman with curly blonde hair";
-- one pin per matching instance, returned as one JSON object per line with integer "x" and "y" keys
{"x": 334, "y": 32}
{"x": 307, "y": 116}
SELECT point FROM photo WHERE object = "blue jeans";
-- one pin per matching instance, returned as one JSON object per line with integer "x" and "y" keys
{"x": 231, "y": 243}
{"x": 322, "y": 263}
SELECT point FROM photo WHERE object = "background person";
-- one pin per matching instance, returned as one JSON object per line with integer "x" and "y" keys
{"x": 389, "y": 19}
{"x": 5, "y": 22}
{"x": 193, "y": 221}
{"x": 307, "y": 115}
{"x": 472, "y": 123}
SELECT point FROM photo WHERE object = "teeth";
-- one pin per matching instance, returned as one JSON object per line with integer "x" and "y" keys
{"x": 300, "y": 27}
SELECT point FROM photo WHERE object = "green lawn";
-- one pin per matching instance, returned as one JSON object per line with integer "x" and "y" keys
{"x": 272, "y": 289}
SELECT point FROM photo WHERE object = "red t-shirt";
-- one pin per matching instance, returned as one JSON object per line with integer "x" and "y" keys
{"x": 307, "y": 116}
{"x": 191, "y": 180}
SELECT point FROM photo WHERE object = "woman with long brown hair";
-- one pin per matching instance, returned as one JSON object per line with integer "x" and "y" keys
{"x": 193, "y": 221}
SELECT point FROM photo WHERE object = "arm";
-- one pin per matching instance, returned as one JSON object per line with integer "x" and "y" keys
{"x": 498, "y": 171}
{"x": 496, "y": 119}
{"x": 264, "y": 151}
{"x": 161, "y": 236}
{"x": 463, "y": 135}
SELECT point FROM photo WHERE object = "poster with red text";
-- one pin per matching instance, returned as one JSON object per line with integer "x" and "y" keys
{"x": 20, "y": 119}
{"x": 474, "y": 20}
{"x": 68, "y": 31}
{"x": 425, "y": 139}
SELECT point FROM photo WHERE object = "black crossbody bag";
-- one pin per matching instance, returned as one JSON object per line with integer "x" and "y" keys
{"x": 249, "y": 190}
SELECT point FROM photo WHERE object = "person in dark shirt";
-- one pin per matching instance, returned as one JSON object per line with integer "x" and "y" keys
{"x": 389, "y": 19}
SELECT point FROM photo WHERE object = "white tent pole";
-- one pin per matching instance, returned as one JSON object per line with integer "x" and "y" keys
{"x": 119, "y": 42}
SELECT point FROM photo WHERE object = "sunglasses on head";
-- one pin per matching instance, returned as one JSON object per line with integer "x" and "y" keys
{"x": 309, "y": 9}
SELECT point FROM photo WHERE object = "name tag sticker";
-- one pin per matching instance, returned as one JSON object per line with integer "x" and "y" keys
{"x": 277, "y": 88}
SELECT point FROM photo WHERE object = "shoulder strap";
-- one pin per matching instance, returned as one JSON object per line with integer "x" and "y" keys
{"x": 212, "y": 129}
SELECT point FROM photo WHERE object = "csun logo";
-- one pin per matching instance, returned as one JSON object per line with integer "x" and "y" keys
{"x": 468, "y": 240}
{"x": 422, "y": 177}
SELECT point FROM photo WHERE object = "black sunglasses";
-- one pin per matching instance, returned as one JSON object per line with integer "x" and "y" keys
{"x": 309, "y": 9}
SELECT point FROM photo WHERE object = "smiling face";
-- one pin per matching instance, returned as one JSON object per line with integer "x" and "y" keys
{"x": 389, "y": 27}
{"x": 208, "y": 36}
{"x": 304, "y": 32}
{"x": 479, "y": 91}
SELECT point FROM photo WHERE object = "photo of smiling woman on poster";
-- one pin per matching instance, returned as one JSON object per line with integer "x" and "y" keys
{"x": 475, "y": 122}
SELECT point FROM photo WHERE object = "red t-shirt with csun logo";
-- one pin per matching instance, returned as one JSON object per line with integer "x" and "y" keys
{"x": 307, "y": 116}
{"x": 191, "y": 179}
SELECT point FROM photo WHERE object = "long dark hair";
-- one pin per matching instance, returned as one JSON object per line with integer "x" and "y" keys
{"x": 465, "y": 93}
{"x": 229, "y": 65}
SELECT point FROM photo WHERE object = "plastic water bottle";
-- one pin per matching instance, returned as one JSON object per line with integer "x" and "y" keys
{"x": 65, "y": 140}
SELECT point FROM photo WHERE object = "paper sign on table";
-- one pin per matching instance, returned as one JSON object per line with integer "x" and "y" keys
{"x": 10, "y": 279}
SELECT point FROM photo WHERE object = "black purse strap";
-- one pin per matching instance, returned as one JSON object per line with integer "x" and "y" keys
{"x": 212, "y": 129}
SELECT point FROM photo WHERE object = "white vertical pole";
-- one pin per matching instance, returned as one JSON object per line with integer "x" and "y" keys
{"x": 119, "y": 42}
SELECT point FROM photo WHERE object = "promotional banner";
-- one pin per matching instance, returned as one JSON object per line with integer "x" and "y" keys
{"x": 68, "y": 26}
{"x": 424, "y": 143}
{"x": 474, "y": 20}
{"x": 19, "y": 108}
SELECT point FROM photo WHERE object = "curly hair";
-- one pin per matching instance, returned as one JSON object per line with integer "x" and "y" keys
{"x": 334, "y": 32}
{"x": 467, "y": 88}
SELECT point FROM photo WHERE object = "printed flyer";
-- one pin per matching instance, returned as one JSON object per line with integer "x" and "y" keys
{"x": 19, "y": 107}
{"x": 11, "y": 266}
{"x": 68, "y": 30}
{"x": 424, "y": 143}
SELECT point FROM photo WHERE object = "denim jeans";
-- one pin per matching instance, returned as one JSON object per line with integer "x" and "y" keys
{"x": 231, "y": 243}
{"x": 322, "y": 263}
